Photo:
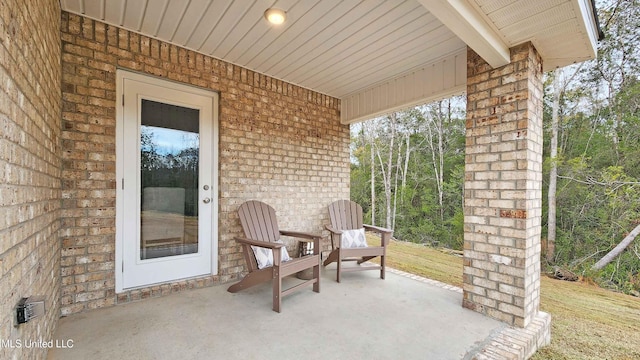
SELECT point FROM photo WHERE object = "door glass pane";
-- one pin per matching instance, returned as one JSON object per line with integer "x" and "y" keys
{"x": 169, "y": 148}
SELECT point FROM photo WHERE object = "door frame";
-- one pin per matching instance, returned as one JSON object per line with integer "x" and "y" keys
{"x": 121, "y": 75}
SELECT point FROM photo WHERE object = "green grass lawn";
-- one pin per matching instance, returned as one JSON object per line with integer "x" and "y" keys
{"x": 588, "y": 322}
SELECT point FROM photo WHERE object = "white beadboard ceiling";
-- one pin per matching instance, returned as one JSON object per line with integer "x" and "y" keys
{"x": 346, "y": 48}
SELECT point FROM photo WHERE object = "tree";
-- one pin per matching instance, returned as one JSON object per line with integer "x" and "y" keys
{"x": 553, "y": 174}
{"x": 423, "y": 196}
{"x": 560, "y": 85}
{"x": 371, "y": 137}
{"x": 618, "y": 249}
{"x": 435, "y": 141}
{"x": 598, "y": 152}
{"x": 387, "y": 170}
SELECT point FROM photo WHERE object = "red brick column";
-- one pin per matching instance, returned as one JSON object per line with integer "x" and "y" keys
{"x": 503, "y": 187}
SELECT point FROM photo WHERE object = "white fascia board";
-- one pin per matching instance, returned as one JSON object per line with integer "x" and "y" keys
{"x": 588, "y": 20}
{"x": 469, "y": 25}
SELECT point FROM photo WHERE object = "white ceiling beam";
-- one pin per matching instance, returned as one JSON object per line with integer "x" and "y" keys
{"x": 469, "y": 25}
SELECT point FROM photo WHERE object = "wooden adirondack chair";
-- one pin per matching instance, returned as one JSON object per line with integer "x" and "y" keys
{"x": 347, "y": 215}
{"x": 261, "y": 229}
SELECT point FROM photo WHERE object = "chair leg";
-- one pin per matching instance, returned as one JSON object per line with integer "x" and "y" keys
{"x": 316, "y": 275}
{"x": 277, "y": 289}
{"x": 339, "y": 266}
{"x": 251, "y": 279}
{"x": 382, "y": 266}
{"x": 333, "y": 256}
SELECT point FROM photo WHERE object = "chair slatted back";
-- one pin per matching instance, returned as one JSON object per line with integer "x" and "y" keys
{"x": 345, "y": 215}
{"x": 259, "y": 221}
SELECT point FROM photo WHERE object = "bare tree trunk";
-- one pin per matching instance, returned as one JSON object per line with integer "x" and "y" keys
{"x": 553, "y": 173}
{"x": 407, "y": 153}
{"x": 386, "y": 169}
{"x": 406, "y": 159}
{"x": 617, "y": 250}
{"x": 435, "y": 120}
{"x": 559, "y": 88}
{"x": 441, "y": 155}
{"x": 373, "y": 176}
{"x": 616, "y": 123}
{"x": 395, "y": 185}
{"x": 387, "y": 183}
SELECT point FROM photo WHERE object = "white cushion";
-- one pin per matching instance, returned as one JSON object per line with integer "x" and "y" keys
{"x": 264, "y": 256}
{"x": 353, "y": 239}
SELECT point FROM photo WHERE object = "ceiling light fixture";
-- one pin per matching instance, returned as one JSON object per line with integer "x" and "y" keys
{"x": 275, "y": 16}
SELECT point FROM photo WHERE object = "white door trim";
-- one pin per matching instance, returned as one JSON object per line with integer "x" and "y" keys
{"x": 121, "y": 76}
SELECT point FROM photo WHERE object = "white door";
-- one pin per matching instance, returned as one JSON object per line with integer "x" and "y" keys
{"x": 166, "y": 204}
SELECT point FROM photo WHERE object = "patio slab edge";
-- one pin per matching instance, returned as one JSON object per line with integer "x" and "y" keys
{"x": 508, "y": 342}
{"x": 516, "y": 343}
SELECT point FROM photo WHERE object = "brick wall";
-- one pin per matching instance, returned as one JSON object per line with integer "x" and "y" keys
{"x": 30, "y": 105}
{"x": 503, "y": 187}
{"x": 279, "y": 143}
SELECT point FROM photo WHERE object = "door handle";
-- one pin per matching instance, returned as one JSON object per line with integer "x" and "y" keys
{"x": 206, "y": 200}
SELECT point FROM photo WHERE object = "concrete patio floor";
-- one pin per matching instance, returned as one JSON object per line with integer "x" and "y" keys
{"x": 401, "y": 317}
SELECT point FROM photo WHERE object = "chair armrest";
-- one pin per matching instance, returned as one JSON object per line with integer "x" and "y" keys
{"x": 334, "y": 234}
{"x": 385, "y": 234}
{"x": 276, "y": 248}
{"x": 333, "y": 230}
{"x": 264, "y": 244}
{"x": 377, "y": 229}
{"x": 316, "y": 238}
{"x": 301, "y": 235}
